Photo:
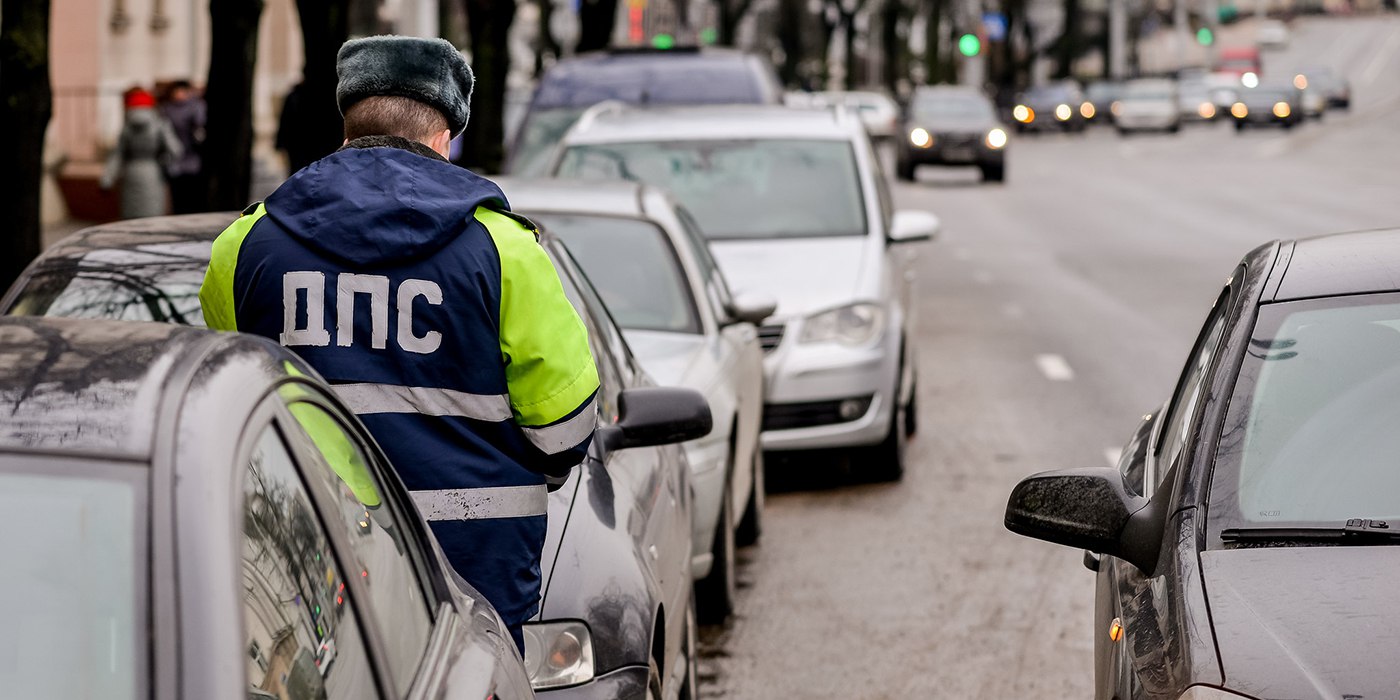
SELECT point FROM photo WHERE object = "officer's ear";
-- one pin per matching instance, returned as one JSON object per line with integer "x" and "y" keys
{"x": 442, "y": 143}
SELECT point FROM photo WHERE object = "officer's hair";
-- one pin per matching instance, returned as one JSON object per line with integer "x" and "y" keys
{"x": 384, "y": 115}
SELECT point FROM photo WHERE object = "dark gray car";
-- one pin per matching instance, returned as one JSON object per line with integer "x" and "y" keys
{"x": 951, "y": 126}
{"x": 616, "y": 617}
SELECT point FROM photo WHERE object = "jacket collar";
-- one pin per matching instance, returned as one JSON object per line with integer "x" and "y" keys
{"x": 394, "y": 142}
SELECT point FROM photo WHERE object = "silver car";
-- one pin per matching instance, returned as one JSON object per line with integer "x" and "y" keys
{"x": 795, "y": 206}
{"x": 1148, "y": 104}
{"x": 654, "y": 271}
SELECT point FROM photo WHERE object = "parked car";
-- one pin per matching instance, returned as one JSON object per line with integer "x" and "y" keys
{"x": 1268, "y": 105}
{"x": 876, "y": 110}
{"x": 680, "y": 76}
{"x": 615, "y": 616}
{"x": 652, "y": 267}
{"x": 1148, "y": 104}
{"x": 1233, "y": 541}
{"x": 794, "y": 206}
{"x": 187, "y": 529}
{"x": 951, "y": 126}
{"x": 1054, "y": 106}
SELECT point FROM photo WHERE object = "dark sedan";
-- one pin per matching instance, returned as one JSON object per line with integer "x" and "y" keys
{"x": 1279, "y": 105}
{"x": 616, "y": 617}
{"x": 1248, "y": 536}
{"x": 194, "y": 515}
{"x": 951, "y": 126}
{"x": 1055, "y": 106}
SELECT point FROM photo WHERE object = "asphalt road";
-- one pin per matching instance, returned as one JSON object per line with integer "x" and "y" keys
{"x": 1055, "y": 310}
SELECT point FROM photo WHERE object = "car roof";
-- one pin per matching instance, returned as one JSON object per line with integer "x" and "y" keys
{"x": 621, "y": 124}
{"x": 1361, "y": 262}
{"x": 134, "y": 233}
{"x": 637, "y": 75}
{"x": 90, "y": 386}
{"x": 609, "y": 198}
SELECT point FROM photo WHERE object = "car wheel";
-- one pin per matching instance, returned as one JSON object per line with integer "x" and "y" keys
{"x": 994, "y": 173}
{"x": 1121, "y": 131}
{"x": 751, "y": 527}
{"x": 887, "y": 458}
{"x": 904, "y": 171}
{"x": 715, "y": 593}
{"x": 1239, "y": 127}
{"x": 1288, "y": 125}
{"x": 1174, "y": 128}
{"x": 911, "y": 411}
{"x": 653, "y": 681}
{"x": 690, "y": 687}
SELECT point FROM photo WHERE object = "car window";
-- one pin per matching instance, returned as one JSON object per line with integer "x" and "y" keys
{"x": 634, "y": 268}
{"x": 127, "y": 292}
{"x": 72, "y": 591}
{"x": 302, "y": 636}
{"x": 383, "y": 558}
{"x": 1190, "y": 393}
{"x": 765, "y": 188}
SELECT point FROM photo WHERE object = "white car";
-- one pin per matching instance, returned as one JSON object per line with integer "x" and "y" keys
{"x": 876, "y": 110}
{"x": 654, "y": 271}
{"x": 1149, "y": 104}
{"x": 794, "y": 205}
{"x": 1271, "y": 33}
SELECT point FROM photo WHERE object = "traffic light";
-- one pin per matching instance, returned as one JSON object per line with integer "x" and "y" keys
{"x": 1204, "y": 36}
{"x": 969, "y": 45}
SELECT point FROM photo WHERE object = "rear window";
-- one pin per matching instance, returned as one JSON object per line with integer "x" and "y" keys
{"x": 147, "y": 284}
{"x": 73, "y": 589}
{"x": 652, "y": 79}
{"x": 951, "y": 107}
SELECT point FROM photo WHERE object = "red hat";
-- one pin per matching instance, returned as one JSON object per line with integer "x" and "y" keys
{"x": 137, "y": 98}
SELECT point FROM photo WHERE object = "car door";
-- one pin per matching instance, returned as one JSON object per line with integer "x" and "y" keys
{"x": 1138, "y": 660}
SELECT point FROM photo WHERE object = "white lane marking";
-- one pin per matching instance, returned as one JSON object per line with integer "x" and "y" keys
{"x": 1113, "y": 454}
{"x": 1054, "y": 368}
{"x": 1382, "y": 57}
{"x": 1013, "y": 311}
{"x": 982, "y": 277}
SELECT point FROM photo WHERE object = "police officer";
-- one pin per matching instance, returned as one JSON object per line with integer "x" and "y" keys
{"x": 408, "y": 284}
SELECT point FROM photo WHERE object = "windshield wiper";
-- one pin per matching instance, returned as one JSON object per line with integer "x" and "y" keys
{"x": 1356, "y": 531}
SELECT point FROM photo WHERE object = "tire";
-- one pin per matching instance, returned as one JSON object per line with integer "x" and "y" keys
{"x": 690, "y": 687}
{"x": 1288, "y": 126}
{"x": 1174, "y": 128}
{"x": 887, "y": 458}
{"x": 1122, "y": 132}
{"x": 1239, "y": 127}
{"x": 751, "y": 526}
{"x": 911, "y": 411}
{"x": 993, "y": 173}
{"x": 904, "y": 171}
{"x": 714, "y": 594}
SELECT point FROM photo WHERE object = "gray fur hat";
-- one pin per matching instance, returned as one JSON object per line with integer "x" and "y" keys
{"x": 430, "y": 71}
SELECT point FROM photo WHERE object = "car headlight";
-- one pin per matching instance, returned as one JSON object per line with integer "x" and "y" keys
{"x": 856, "y": 324}
{"x": 1023, "y": 114}
{"x": 1206, "y": 110}
{"x": 558, "y": 654}
{"x": 1282, "y": 110}
{"x": 920, "y": 137}
{"x": 1205, "y": 692}
{"x": 996, "y": 138}
{"x": 1087, "y": 110}
{"x": 1063, "y": 112}
{"x": 1239, "y": 110}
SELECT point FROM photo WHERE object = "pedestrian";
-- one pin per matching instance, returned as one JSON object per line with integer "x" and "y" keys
{"x": 185, "y": 111}
{"x": 407, "y": 282}
{"x": 145, "y": 147}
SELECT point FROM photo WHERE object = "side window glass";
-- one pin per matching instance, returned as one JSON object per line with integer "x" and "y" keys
{"x": 607, "y": 343}
{"x": 382, "y": 557}
{"x": 1190, "y": 393}
{"x": 302, "y": 638}
{"x": 715, "y": 286}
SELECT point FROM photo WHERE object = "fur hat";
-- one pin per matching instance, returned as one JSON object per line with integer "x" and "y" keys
{"x": 430, "y": 71}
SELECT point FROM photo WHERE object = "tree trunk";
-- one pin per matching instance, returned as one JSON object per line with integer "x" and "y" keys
{"x": 893, "y": 68}
{"x": 731, "y": 13}
{"x": 790, "y": 26}
{"x": 1071, "y": 43}
{"x": 848, "y": 20}
{"x": 546, "y": 45}
{"x": 26, "y": 103}
{"x": 488, "y": 25}
{"x": 317, "y": 125}
{"x": 596, "y": 21}
{"x": 936, "y": 70}
{"x": 233, "y": 51}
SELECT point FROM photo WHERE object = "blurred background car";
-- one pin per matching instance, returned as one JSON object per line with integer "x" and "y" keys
{"x": 678, "y": 76}
{"x": 1057, "y": 105}
{"x": 794, "y": 206}
{"x": 1268, "y": 105}
{"x": 1336, "y": 88}
{"x": 1271, "y": 34}
{"x": 946, "y": 125}
{"x": 151, "y": 269}
{"x": 191, "y": 502}
{"x": 876, "y": 110}
{"x": 650, "y": 264}
{"x": 1148, "y": 104}
{"x": 1100, "y": 95}
{"x": 1195, "y": 102}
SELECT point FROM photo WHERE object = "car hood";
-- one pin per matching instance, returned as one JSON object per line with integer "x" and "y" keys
{"x": 802, "y": 274}
{"x": 1306, "y": 622}
{"x": 667, "y": 357}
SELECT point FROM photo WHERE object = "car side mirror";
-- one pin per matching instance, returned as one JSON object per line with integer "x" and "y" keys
{"x": 649, "y": 416}
{"x": 1087, "y": 509}
{"x": 751, "y": 308}
{"x": 911, "y": 225}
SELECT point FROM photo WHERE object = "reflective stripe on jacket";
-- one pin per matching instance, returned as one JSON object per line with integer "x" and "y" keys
{"x": 439, "y": 319}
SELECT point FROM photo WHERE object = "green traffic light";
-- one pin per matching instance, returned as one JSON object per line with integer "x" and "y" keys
{"x": 1204, "y": 36}
{"x": 663, "y": 41}
{"x": 969, "y": 45}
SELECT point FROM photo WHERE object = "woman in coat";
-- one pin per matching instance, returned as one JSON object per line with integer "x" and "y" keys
{"x": 146, "y": 145}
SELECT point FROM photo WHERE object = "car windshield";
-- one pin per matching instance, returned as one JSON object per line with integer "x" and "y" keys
{"x": 778, "y": 188}
{"x": 1310, "y": 434}
{"x": 137, "y": 284}
{"x": 541, "y": 130}
{"x": 633, "y": 266}
{"x": 1098, "y": 92}
{"x": 72, "y": 592}
{"x": 951, "y": 107}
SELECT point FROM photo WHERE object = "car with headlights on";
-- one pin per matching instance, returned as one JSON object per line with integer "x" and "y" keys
{"x": 794, "y": 206}
{"x": 645, "y": 255}
{"x": 1058, "y": 105}
{"x": 1268, "y": 105}
{"x": 199, "y": 516}
{"x": 1195, "y": 101}
{"x": 1334, "y": 88}
{"x": 1148, "y": 104}
{"x": 946, "y": 125}
{"x": 616, "y": 617}
{"x": 1101, "y": 96}
{"x": 1242, "y": 542}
